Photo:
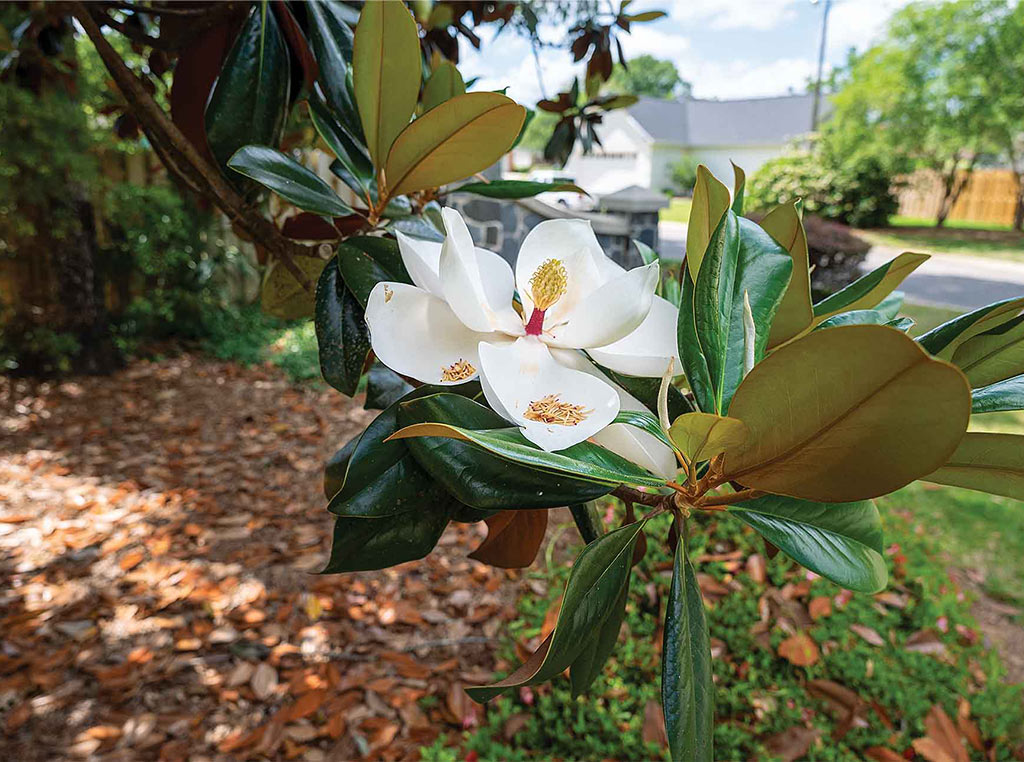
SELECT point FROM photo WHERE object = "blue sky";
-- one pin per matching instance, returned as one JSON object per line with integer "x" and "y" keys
{"x": 726, "y": 48}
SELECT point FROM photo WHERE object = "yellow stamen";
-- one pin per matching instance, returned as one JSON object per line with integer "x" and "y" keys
{"x": 547, "y": 284}
{"x": 550, "y": 409}
{"x": 458, "y": 371}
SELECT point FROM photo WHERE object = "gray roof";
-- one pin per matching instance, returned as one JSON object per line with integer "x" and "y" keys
{"x": 751, "y": 121}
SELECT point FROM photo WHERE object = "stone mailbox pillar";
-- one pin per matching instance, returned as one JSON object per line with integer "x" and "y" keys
{"x": 640, "y": 207}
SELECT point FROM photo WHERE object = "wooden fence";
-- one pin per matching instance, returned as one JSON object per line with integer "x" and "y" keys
{"x": 990, "y": 197}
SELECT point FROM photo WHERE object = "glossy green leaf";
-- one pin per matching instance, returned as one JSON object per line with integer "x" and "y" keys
{"x": 702, "y": 436}
{"x": 868, "y": 291}
{"x": 589, "y": 664}
{"x": 336, "y": 467}
{"x": 356, "y": 169}
{"x": 342, "y": 338}
{"x": 739, "y": 182}
{"x": 583, "y": 461}
{"x": 461, "y": 136}
{"x": 891, "y": 305}
{"x": 289, "y": 180}
{"x": 993, "y": 356}
{"x": 386, "y": 74}
{"x": 687, "y": 690}
{"x": 740, "y": 259}
{"x": 516, "y": 188}
{"x": 695, "y": 364}
{"x": 999, "y": 397}
{"x": 444, "y": 84}
{"x": 840, "y": 541}
{"x": 710, "y": 202}
{"x": 644, "y": 421}
{"x": 854, "y": 317}
{"x": 249, "y": 102}
{"x": 362, "y": 544}
{"x": 281, "y": 295}
{"x": 332, "y": 40}
{"x": 796, "y": 313}
{"x": 992, "y": 463}
{"x": 847, "y": 414}
{"x": 365, "y": 261}
{"x": 647, "y": 254}
{"x": 944, "y": 340}
{"x": 477, "y": 477}
{"x": 595, "y": 583}
{"x": 384, "y": 387}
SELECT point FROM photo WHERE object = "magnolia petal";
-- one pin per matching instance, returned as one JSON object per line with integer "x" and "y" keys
{"x": 573, "y": 243}
{"x": 649, "y": 349}
{"x": 477, "y": 284}
{"x": 524, "y": 372}
{"x": 633, "y": 444}
{"x": 609, "y": 313}
{"x": 422, "y": 259}
{"x": 417, "y": 335}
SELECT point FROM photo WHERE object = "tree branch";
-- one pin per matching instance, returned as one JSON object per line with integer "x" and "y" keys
{"x": 185, "y": 161}
{"x": 628, "y": 494}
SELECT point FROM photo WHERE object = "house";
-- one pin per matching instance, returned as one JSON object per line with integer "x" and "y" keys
{"x": 641, "y": 143}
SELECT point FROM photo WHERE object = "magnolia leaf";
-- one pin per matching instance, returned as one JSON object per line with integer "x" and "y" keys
{"x": 289, "y": 180}
{"x": 702, "y": 436}
{"x": 839, "y": 541}
{"x": 687, "y": 690}
{"x": 588, "y": 664}
{"x": 365, "y": 261}
{"x": 741, "y": 260}
{"x": 250, "y": 99}
{"x": 739, "y": 181}
{"x": 386, "y": 74}
{"x": 855, "y": 317}
{"x": 362, "y": 544}
{"x": 461, "y": 136}
{"x": 710, "y": 202}
{"x": 384, "y": 387}
{"x": 513, "y": 538}
{"x": 600, "y": 572}
{"x": 796, "y": 312}
{"x": 516, "y": 188}
{"x": 647, "y": 254}
{"x": 481, "y": 479}
{"x": 1000, "y": 397}
{"x": 381, "y": 477}
{"x": 342, "y": 338}
{"x": 695, "y": 363}
{"x": 444, "y": 84}
{"x": 352, "y": 163}
{"x": 868, "y": 291}
{"x": 645, "y": 421}
{"x": 600, "y": 466}
{"x": 992, "y": 463}
{"x": 281, "y": 295}
{"x": 847, "y": 414}
{"x": 993, "y": 356}
{"x": 332, "y": 41}
{"x": 944, "y": 340}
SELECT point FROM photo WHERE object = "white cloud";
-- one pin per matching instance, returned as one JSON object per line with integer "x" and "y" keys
{"x": 761, "y": 15}
{"x": 859, "y": 23}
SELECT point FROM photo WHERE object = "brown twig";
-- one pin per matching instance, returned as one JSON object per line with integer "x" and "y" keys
{"x": 628, "y": 494}
{"x": 185, "y": 160}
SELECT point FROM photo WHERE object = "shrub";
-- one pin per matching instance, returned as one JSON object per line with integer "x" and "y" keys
{"x": 858, "y": 192}
{"x": 684, "y": 176}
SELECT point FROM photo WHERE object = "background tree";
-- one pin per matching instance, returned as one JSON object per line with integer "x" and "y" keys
{"x": 650, "y": 76}
{"x": 923, "y": 98}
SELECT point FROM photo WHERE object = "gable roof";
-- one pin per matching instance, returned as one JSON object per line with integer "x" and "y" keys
{"x": 750, "y": 121}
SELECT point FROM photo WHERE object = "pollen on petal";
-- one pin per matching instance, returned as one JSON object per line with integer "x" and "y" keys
{"x": 552, "y": 410}
{"x": 548, "y": 283}
{"x": 388, "y": 293}
{"x": 458, "y": 371}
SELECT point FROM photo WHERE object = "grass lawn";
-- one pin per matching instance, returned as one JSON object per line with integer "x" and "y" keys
{"x": 962, "y": 238}
{"x": 678, "y": 211}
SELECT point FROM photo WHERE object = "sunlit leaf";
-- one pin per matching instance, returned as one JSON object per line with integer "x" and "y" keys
{"x": 868, "y": 291}
{"x": 847, "y": 414}
{"x": 710, "y": 202}
{"x": 991, "y": 463}
{"x": 386, "y": 73}
{"x": 452, "y": 141}
{"x": 999, "y": 397}
{"x": 796, "y": 313}
{"x": 944, "y": 340}
{"x": 702, "y": 436}
{"x": 993, "y": 356}
{"x": 444, "y": 84}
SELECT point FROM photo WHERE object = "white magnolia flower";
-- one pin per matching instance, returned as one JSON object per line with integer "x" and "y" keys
{"x": 459, "y": 322}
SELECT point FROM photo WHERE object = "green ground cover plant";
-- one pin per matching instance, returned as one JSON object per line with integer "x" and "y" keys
{"x": 928, "y": 652}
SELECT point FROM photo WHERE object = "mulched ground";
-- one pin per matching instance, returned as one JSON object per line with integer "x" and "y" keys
{"x": 160, "y": 531}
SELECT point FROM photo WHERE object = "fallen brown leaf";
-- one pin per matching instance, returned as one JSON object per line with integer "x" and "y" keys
{"x": 791, "y": 744}
{"x": 800, "y": 650}
{"x": 654, "y": 725}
